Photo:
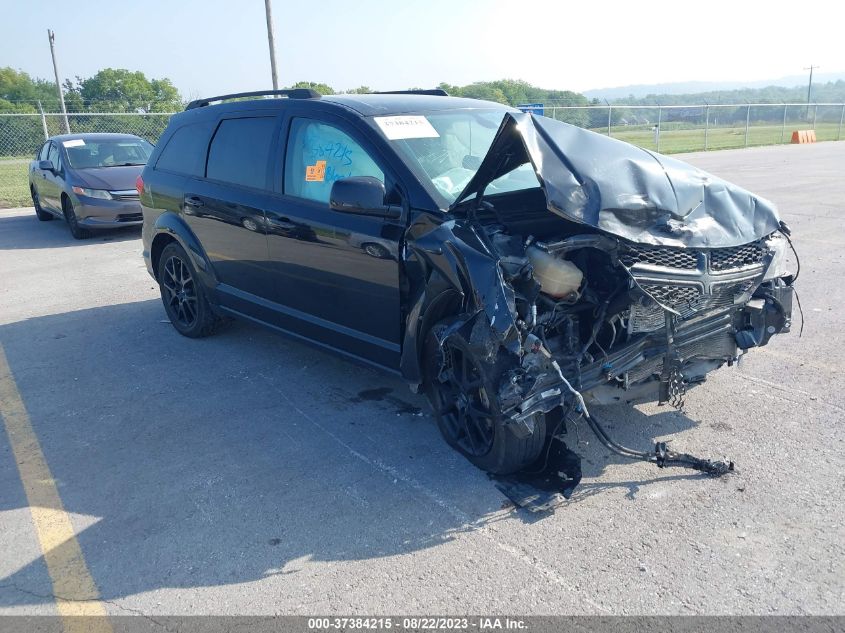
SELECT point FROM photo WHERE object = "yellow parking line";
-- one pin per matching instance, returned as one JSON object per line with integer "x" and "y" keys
{"x": 73, "y": 587}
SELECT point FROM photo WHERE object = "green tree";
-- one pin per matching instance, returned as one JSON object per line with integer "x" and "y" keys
{"x": 323, "y": 89}
{"x": 120, "y": 90}
{"x": 360, "y": 90}
{"x": 21, "y": 93}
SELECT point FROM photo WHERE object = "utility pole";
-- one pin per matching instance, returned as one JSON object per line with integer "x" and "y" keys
{"x": 52, "y": 37}
{"x": 809, "y": 86}
{"x": 272, "y": 41}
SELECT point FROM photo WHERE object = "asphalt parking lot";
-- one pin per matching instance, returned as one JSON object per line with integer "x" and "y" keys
{"x": 251, "y": 474}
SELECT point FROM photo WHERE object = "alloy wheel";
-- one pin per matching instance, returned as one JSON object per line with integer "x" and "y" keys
{"x": 463, "y": 404}
{"x": 181, "y": 293}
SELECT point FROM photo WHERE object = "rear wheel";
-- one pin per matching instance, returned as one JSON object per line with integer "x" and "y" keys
{"x": 463, "y": 391}
{"x": 183, "y": 295}
{"x": 41, "y": 214}
{"x": 79, "y": 232}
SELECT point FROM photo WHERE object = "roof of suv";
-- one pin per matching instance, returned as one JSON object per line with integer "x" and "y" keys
{"x": 378, "y": 104}
{"x": 365, "y": 104}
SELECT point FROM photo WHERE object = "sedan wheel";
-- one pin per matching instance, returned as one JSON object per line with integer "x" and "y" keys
{"x": 44, "y": 216}
{"x": 76, "y": 230}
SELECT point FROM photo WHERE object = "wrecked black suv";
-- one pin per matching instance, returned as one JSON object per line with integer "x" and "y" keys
{"x": 514, "y": 267}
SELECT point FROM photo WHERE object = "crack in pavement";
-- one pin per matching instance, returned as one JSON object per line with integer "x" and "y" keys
{"x": 55, "y": 597}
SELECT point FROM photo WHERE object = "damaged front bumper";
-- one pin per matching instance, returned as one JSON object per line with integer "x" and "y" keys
{"x": 645, "y": 369}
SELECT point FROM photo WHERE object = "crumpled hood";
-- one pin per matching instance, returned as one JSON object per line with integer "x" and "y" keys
{"x": 624, "y": 190}
{"x": 109, "y": 178}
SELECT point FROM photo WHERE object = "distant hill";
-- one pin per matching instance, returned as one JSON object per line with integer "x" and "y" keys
{"x": 639, "y": 91}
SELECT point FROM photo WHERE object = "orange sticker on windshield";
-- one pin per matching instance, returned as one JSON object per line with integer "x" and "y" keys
{"x": 316, "y": 173}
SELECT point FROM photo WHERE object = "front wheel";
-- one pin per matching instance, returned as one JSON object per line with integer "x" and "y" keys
{"x": 463, "y": 391}
{"x": 78, "y": 232}
{"x": 183, "y": 295}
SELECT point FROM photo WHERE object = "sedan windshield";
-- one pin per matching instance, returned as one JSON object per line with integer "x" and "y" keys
{"x": 84, "y": 154}
{"x": 447, "y": 149}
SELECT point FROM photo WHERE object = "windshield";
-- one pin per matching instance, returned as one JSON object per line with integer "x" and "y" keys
{"x": 83, "y": 154}
{"x": 448, "y": 147}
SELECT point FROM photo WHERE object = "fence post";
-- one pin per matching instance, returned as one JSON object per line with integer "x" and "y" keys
{"x": 609, "y": 115}
{"x": 657, "y": 132}
{"x": 706, "y": 124}
{"x": 747, "y": 120}
{"x": 43, "y": 122}
{"x": 841, "y": 116}
{"x": 815, "y": 112}
{"x": 783, "y": 125}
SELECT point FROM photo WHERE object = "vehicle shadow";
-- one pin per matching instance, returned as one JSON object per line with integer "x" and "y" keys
{"x": 17, "y": 232}
{"x": 198, "y": 463}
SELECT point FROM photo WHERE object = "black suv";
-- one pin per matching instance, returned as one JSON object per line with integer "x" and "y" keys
{"x": 514, "y": 267}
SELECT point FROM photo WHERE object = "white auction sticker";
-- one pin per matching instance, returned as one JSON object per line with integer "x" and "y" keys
{"x": 396, "y": 128}
{"x": 76, "y": 142}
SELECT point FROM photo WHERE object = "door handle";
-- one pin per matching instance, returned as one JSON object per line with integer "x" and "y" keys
{"x": 195, "y": 202}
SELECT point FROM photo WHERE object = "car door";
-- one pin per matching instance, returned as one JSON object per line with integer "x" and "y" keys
{"x": 37, "y": 174}
{"x": 335, "y": 275}
{"x": 224, "y": 208}
{"x": 50, "y": 189}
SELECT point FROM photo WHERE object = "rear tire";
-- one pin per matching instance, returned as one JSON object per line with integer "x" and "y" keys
{"x": 78, "y": 232}
{"x": 40, "y": 213}
{"x": 466, "y": 405}
{"x": 183, "y": 295}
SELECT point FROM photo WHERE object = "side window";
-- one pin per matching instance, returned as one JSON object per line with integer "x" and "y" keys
{"x": 53, "y": 155}
{"x": 45, "y": 150}
{"x": 317, "y": 155}
{"x": 240, "y": 151}
{"x": 185, "y": 151}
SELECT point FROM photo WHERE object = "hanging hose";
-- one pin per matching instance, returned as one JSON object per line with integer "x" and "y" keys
{"x": 662, "y": 457}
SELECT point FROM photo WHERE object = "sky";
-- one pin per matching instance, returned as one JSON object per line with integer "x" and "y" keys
{"x": 209, "y": 47}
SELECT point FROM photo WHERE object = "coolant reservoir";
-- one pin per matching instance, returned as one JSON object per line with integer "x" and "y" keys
{"x": 557, "y": 277}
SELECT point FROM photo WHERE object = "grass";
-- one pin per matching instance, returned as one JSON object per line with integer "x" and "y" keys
{"x": 692, "y": 140}
{"x": 14, "y": 183}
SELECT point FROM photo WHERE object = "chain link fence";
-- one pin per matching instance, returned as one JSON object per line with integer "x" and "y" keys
{"x": 667, "y": 129}
{"x": 687, "y": 128}
{"x": 22, "y": 134}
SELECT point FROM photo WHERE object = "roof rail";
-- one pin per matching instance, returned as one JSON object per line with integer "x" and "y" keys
{"x": 435, "y": 92}
{"x": 295, "y": 93}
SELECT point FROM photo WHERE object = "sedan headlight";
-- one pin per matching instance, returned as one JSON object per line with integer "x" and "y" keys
{"x": 102, "y": 194}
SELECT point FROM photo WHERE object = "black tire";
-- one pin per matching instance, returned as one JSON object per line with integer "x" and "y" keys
{"x": 78, "y": 232}
{"x": 183, "y": 294}
{"x": 40, "y": 213}
{"x": 467, "y": 408}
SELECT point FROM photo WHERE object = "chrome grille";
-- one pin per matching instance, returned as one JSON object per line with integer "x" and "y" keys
{"x": 681, "y": 258}
{"x": 127, "y": 195}
{"x": 689, "y": 300}
{"x": 736, "y": 257}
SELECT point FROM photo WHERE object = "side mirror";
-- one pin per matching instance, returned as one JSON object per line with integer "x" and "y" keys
{"x": 46, "y": 165}
{"x": 361, "y": 195}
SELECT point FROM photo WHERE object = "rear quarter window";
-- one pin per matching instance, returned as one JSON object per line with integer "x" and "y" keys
{"x": 240, "y": 151}
{"x": 185, "y": 151}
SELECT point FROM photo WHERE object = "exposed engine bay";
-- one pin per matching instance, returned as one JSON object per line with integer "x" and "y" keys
{"x": 569, "y": 300}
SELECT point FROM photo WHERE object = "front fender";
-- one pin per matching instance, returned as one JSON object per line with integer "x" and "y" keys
{"x": 453, "y": 265}
{"x": 170, "y": 226}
